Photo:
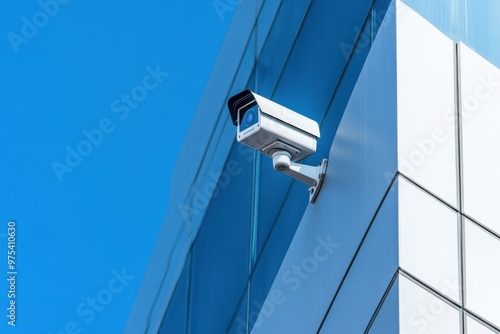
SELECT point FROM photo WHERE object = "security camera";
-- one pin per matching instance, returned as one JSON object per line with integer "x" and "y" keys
{"x": 280, "y": 133}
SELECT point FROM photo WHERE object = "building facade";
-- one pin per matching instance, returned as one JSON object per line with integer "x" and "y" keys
{"x": 404, "y": 236}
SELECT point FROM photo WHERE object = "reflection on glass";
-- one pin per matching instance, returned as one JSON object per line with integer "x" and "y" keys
{"x": 387, "y": 320}
{"x": 174, "y": 319}
{"x": 220, "y": 269}
{"x": 238, "y": 324}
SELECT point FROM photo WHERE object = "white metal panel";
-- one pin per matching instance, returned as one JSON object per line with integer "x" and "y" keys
{"x": 428, "y": 240}
{"x": 480, "y": 98}
{"x": 426, "y": 104}
{"x": 422, "y": 312}
{"x": 482, "y": 272}
{"x": 474, "y": 327}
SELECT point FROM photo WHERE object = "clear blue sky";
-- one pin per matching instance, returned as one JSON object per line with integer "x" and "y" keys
{"x": 95, "y": 101}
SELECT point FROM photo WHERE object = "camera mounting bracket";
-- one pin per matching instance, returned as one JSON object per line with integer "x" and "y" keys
{"x": 310, "y": 175}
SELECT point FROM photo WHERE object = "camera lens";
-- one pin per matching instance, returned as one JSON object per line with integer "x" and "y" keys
{"x": 250, "y": 117}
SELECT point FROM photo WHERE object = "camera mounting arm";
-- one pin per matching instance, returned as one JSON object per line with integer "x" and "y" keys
{"x": 312, "y": 176}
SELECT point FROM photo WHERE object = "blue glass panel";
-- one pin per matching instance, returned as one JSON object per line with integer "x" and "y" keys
{"x": 278, "y": 44}
{"x": 320, "y": 54}
{"x": 238, "y": 324}
{"x": 277, "y": 197}
{"x": 380, "y": 11}
{"x": 363, "y": 152}
{"x": 274, "y": 187}
{"x": 342, "y": 92}
{"x": 174, "y": 320}
{"x": 370, "y": 275}
{"x": 267, "y": 18}
{"x": 245, "y": 78}
{"x": 312, "y": 72}
{"x": 276, "y": 247}
{"x": 351, "y": 73}
{"x": 387, "y": 319}
{"x": 221, "y": 250}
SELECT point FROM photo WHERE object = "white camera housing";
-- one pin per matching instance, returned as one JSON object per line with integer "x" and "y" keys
{"x": 280, "y": 133}
{"x": 274, "y": 127}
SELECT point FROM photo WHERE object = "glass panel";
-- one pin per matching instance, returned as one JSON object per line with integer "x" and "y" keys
{"x": 428, "y": 245}
{"x": 381, "y": 9}
{"x": 422, "y": 312}
{"x": 273, "y": 186}
{"x": 278, "y": 44}
{"x": 317, "y": 60}
{"x": 271, "y": 258}
{"x": 347, "y": 81}
{"x": 275, "y": 189}
{"x": 330, "y": 56}
{"x": 267, "y": 19}
{"x": 387, "y": 320}
{"x": 426, "y": 126}
{"x": 474, "y": 327}
{"x": 480, "y": 90}
{"x": 364, "y": 149}
{"x": 370, "y": 275}
{"x": 482, "y": 272}
{"x": 221, "y": 250}
{"x": 175, "y": 318}
{"x": 238, "y": 324}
